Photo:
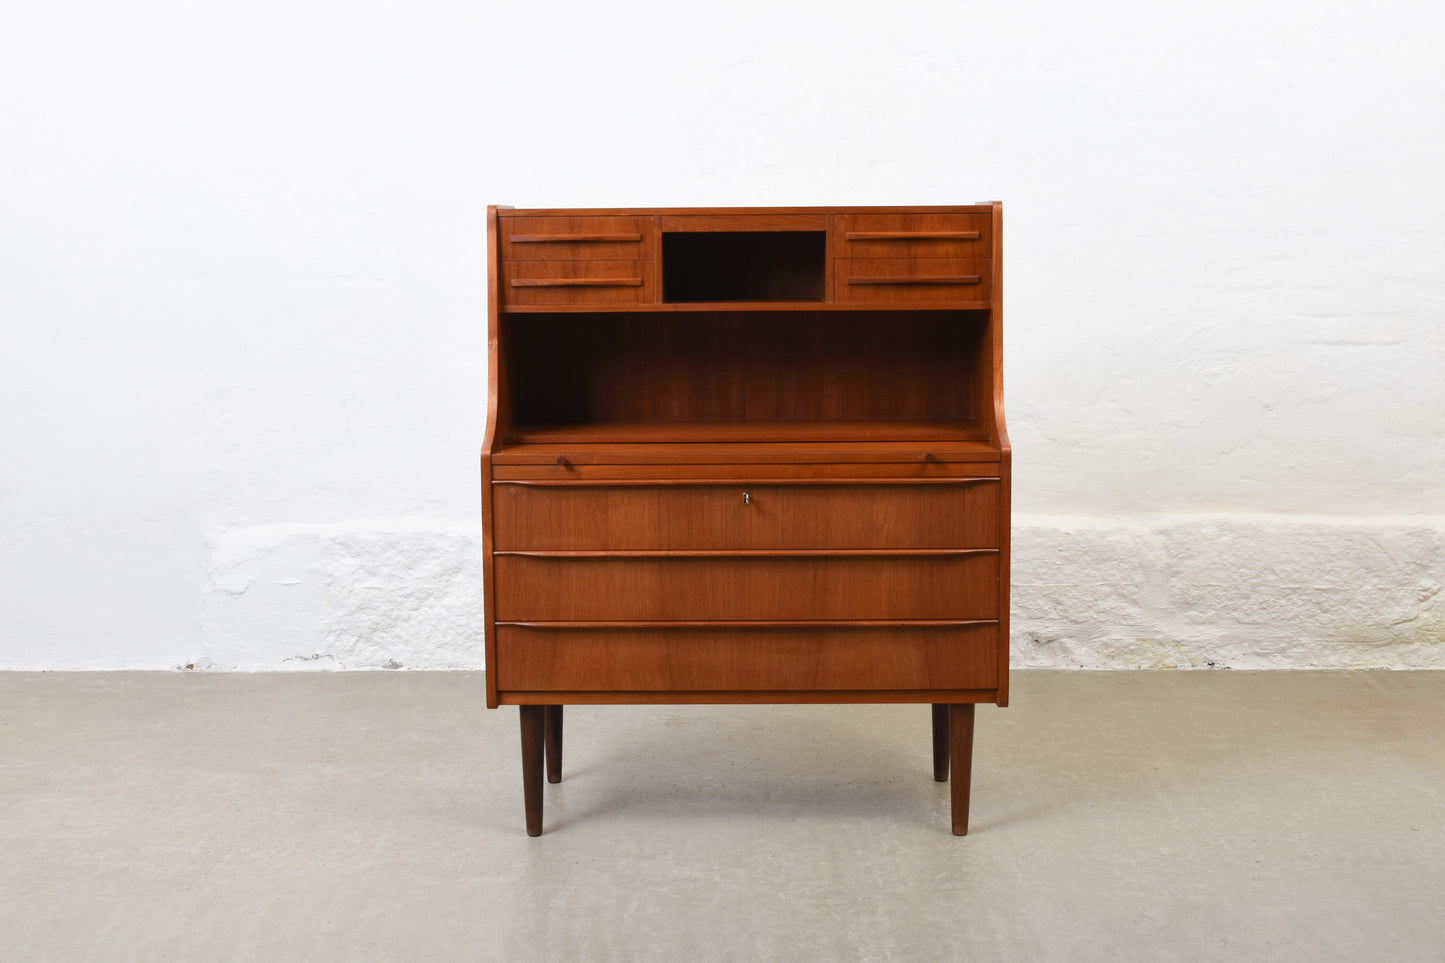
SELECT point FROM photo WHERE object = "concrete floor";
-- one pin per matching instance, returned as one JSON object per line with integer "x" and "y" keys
{"x": 371, "y": 816}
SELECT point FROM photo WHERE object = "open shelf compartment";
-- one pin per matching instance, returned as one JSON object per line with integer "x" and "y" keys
{"x": 747, "y": 376}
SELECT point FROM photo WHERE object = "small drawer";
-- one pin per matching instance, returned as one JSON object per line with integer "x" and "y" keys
{"x": 949, "y": 513}
{"x": 915, "y": 235}
{"x": 914, "y": 280}
{"x": 578, "y": 282}
{"x": 671, "y": 587}
{"x": 541, "y": 657}
{"x": 576, "y": 238}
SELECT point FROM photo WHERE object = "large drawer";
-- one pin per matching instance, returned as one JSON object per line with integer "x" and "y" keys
{"x": 960, "y": 513}
{"x": 578, "y": 282}
{"x": 708, "y": 658}
{"x": 670, "y": 587}
{"x": 915, "y": 280}
{"x": 573, "y": 238}
{"x": 915, "y": 235}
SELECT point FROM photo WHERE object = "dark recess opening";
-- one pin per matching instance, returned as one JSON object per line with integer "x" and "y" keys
{"x": 743, "y": 266}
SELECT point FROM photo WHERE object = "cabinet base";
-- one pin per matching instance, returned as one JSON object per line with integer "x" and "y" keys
{"x": 952, "y": 757}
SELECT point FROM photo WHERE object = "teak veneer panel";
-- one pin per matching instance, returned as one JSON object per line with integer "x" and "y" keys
{"x": 912, "y": 280}
{"x": 579, "y": 282}
{"x": 659, "y": 659}
{"x": 578, "y": 238}
{"x": 570, "y": 472}
{"x": 947, "y": 514}
{"x": 914, "y": 235}
{"x": 702, "y": 587}
{"x": 600, "y": 451}
{"x": 743, "y": 455}
{"x": 870, "y": 375}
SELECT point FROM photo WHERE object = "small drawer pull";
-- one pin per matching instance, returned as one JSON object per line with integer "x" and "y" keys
{"x": 576, "y": 282}
{"x": 747, "y": 498}
{"x": 912, "y": 235}
{"x": 575, "y": 238}
{"x": 920, "y": 279}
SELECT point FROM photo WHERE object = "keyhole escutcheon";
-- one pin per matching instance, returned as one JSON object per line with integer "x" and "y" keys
{"x": 747, "y": 498}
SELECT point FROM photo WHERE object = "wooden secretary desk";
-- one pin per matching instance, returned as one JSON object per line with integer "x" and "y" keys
{"x": 750, "y": 455}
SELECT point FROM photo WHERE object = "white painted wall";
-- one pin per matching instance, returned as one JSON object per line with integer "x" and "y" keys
{"x": 242, "y": 294}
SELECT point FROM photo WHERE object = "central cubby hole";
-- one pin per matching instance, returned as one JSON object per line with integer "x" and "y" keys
{"x": 743, "y": 265}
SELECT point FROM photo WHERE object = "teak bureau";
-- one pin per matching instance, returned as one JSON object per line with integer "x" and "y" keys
{"x": 745, "y": 455}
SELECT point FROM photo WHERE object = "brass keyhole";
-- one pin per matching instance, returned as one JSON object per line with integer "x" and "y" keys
{"x": 747, "y": 498}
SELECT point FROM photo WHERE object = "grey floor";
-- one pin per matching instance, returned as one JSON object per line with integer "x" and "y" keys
{"x": 373, "y": 816}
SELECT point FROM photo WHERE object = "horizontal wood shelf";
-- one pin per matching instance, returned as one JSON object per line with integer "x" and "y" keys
{"x": 601, "y": 451}
{"x": 738, "y": 482}
{"x": 503, "y": 211}
{"x": 743, "y": 552}
{"x": 756, "y": 624}
{"x": 514, "y": 697}
{"x": 748, "y": 306}
{"x": 768, "y": 432}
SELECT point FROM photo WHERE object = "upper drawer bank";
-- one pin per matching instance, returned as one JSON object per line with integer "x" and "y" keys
{"x": 914, "y": 235}
{"x": 579, "y": 238}
{"x": 947, "y": 513}
{"x": 579, "y": 282}
{"x": 912, "y": 281}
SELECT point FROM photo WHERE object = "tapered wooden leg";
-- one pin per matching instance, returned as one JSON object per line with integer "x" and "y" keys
{"x": 532, "y": 726}
{"x": 940, "y": 743}
{"x": 960, "y": 751}
{"x": 553, "y": 729}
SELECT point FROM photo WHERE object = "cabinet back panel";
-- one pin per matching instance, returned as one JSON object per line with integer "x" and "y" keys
{"x": 710, "y": 367}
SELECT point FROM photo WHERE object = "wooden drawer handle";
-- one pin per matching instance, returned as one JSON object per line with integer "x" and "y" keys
{"x": 576, "y": 282}
{"x": 912, "y": 235}
{"x": 941, "y": 279}
{"x": 570, "y": 238}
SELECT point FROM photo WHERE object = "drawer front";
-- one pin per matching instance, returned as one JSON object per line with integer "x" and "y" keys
{"x": 576, "y": 238}
{"x": 532, "y": 588}
{"x": 630, "y": 659}
{"x": 578, "y": 282}
{"x": 912, "y": 279}
{"x": 946, "y": 514}
{"x": 915, "y": 235}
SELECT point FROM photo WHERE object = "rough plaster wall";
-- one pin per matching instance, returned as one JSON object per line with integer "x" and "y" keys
{"x": 1243, "y": 591}
{"x": 242, "y": 295}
